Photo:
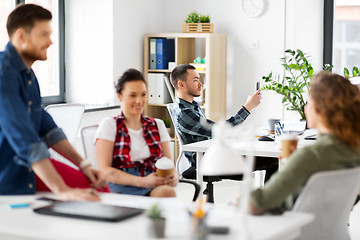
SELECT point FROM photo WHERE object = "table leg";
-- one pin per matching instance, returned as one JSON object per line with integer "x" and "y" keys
{"x": 199, "y": 176}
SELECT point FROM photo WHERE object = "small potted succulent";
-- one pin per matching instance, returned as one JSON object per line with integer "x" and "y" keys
{"x": 156, "y": 227}
{"x": 198, "y": 23}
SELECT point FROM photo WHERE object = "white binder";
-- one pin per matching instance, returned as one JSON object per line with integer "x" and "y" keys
{"x": 162, "y": 92}
{"x": 151, "y": 88}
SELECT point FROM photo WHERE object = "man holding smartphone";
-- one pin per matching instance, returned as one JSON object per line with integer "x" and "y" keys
{"x": 186, "y": 81}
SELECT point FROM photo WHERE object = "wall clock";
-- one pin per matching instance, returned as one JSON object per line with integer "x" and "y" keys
{"x": 253, "y": 8}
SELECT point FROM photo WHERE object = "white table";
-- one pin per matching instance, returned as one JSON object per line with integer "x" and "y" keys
{"x": 25, "y": 224}
{"x": 253, "y": 148}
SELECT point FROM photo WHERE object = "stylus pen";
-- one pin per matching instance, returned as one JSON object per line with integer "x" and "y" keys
{"x": 19, "y": 205}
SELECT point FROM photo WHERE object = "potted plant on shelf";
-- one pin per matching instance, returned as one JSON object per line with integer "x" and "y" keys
{"x": 295, "y": 82}
{"x": 197, "y": 23}
{"x": 167, "y": 123}
{"x": 156, "y": 227}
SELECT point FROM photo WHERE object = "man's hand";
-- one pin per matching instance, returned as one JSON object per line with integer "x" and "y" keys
{"x": 95, "y": 177}
{"x": 78, "y": 194}
{"x": 253, "y": 100}
{"x": 47, "y": 173}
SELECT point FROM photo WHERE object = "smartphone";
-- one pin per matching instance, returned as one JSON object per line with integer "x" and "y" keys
{"x": 257, "y": 86}
{"x": 218, "y": 229}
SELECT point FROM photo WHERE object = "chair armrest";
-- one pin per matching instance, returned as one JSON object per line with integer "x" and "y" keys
{"x": 196, "y": 186}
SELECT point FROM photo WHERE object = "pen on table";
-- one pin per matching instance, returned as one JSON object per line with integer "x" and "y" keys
{"x": 19, "y": 205}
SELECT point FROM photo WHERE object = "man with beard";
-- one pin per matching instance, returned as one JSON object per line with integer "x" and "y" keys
{"x": 26, "y": 129}
{"x": 186, "y": 81}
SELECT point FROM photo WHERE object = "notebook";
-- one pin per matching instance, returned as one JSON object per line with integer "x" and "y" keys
{"x": 89, "y": 210}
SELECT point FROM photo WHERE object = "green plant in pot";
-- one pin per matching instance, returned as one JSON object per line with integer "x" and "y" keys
{"x": 167, "y": 123}
{"x": 204, "y": 18}
{"x": 194, "y": 17}
{"x": 354, "y": 73}
{"x": 295, "y": 82}
{"x": 156, "y": 227}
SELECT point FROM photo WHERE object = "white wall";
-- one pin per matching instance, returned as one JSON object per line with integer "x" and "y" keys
{"x": 283, "y": 24}
{"x": 101, "y": 59}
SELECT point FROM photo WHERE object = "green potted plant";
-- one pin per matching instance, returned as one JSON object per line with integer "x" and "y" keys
{"x": 156, "y": 227}
{"x": 354, "y": 73}
{"x": 167, "y": 123}
{"x": 193, "y": 17}
{"x": 204, "y": 18}
{"x": 354, "y": 76}
{"x": 295, "y": 82}
{"x": 195, "y": 22}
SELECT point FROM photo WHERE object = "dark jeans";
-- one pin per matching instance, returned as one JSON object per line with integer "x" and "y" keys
{"x": 271, "y": 165}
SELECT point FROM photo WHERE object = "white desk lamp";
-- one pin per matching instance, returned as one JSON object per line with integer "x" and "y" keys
{"x": 221, "y": 159}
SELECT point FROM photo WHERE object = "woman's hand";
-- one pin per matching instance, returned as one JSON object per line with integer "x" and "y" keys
{"x": 292, "y": 149}
{"x": 172, "y": 179}
{"x": 96, "y": 179}
{"x": 152, "y": 180}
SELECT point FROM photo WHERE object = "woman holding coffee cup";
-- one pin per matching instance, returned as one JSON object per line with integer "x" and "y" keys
{"x": 334, "y": 109}
{"x": 129, "y": 145}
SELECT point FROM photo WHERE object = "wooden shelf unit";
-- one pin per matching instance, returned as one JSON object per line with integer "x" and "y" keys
{"x": 215, "y": 48}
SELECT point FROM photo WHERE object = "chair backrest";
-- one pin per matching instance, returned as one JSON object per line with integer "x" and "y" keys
{"x": 181, "y": 163}
{"x": 329, "y": 196}
{"x": 88, "y": 137}
{"x": 68, "y": 117}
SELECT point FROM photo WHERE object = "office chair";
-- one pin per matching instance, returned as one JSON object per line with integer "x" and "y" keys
{"x": 88, "y": 138}
{"x": 329, "y": 196}
{"x": 68, "y": 118}
{"x": 182, "y": 162}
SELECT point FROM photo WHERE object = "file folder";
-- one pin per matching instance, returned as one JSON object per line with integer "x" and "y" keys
{"x": 162, "y": 92}
{"x": 151, "y": 88}
{"x": 165, "y": 52}
{"x": 152, "y": 53}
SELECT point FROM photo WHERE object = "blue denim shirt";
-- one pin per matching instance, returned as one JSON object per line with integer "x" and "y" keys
{"x": 26, "y": 129}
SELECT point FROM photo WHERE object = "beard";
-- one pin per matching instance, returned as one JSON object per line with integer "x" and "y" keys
{"x": 193, "y": 93}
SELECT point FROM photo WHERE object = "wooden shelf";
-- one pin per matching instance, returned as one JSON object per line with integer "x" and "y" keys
{"x": 186, "y": 47}
{"x": 159, "y": 70}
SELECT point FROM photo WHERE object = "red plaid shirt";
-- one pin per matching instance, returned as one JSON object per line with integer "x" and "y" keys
{"x": 121, "y": 156}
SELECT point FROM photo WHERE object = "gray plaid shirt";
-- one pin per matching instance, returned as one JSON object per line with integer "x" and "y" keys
{"x": 190, "y": 126}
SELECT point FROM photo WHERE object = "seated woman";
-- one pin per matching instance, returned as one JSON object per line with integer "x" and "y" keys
{"x": 128, "y": 145}
{"x": 334, "y": 109}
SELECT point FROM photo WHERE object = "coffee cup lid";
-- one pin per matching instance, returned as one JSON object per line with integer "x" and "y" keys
{"x": 288, "y": 136}
{"x": 164, "y": 163}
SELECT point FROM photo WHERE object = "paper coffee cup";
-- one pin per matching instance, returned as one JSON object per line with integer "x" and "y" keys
{"x": 164, "y": 167}
{"x": 288, "y": 144}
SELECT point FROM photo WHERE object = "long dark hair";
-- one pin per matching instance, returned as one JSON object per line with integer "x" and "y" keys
{"x": 338, "y": 103}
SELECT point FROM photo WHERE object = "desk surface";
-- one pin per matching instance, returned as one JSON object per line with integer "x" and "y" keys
{"x": 25, "y": 224}
{"x": 255, "y": 148}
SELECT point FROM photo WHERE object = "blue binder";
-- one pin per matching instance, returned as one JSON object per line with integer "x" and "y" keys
{"x": 165, "y": 52}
